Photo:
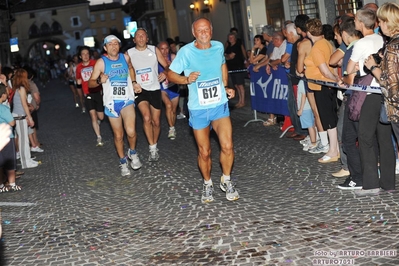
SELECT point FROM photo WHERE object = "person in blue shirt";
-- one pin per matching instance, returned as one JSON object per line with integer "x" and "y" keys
{"x": 206, "y": 74}
{"x": 8, "y": 159}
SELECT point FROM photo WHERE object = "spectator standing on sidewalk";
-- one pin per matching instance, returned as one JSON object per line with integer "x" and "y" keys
{"x": 7, "y": 154}
{"x": 235, "y": 56}
{"x": 208, "y": 103}
{"x": 294, "y": 38}
{"x": 374, "y": 138}
{"x": 387, "y": 75}
{"x": 317, "y": 68}
{"x": 21, "y": 113}
{"x": 280, "y": 45}
{"x": 336, "y": 60}
{"x": 33, "y": 104}
{"x": 304, "y": 48}
{"x": 350, "y": 128}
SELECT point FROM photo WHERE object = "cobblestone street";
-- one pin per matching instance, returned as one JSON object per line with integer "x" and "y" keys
{"x": 76, "y": 209}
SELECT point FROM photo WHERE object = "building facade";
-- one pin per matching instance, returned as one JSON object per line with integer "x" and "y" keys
{"x": 158, "y": 17}
{"x": 106, "y": 18}
{"x": 249, "y": 16}
{"x": 61, "y": 26}
{"x": 50, "y": 28}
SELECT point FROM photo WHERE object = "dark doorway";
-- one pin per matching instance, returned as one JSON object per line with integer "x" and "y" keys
{"x": 275, "y": 13}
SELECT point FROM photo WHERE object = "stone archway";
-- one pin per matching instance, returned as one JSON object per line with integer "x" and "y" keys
{"x": 47, "y": 48}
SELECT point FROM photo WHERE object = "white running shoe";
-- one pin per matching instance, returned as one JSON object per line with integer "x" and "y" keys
{"x": 305, "y": 141}
{"x": 100, "y": 142}
{"x": 319, "y": 148}
{"x": 180, "y": 116}
{"x": 172, "y": 134}
{"x": 228, "y": 187}
{"x": 124, "y": 169}
{"x": 36, "y": 149}
{"x": 136, "y": 163}
{"x": 31, "y": 164}
{"x": 154, "y": 156}
{"x": 207, "y": 194}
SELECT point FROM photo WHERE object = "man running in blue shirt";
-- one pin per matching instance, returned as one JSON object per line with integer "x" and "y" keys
{"x": 206, "y": 74}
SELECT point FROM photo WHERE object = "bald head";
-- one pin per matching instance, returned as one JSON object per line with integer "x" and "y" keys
{"x": 202, "y": 31}
{"x": 371, "y": 6}
{"x": 201, "y": 21}
{"x": 164, "y": 48}
{"x": 162, "y": 43}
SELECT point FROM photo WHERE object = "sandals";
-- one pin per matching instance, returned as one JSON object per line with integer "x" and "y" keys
{"x": 14, "y": 188}
{"x": 270, "y": 122}
{"x": 10, "y": 188}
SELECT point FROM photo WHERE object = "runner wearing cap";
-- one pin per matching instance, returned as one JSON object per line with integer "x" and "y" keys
{"x": 93, "y": 96}
{"x": 115, "y": 73}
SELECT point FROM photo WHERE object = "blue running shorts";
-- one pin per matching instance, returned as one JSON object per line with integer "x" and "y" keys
{"x": 202, "y": 118}
{"x": 171, "y": 94}
{"x": 118, "y": 106}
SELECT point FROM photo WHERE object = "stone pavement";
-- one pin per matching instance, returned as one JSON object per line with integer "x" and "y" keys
{"x": 76, "y": 209}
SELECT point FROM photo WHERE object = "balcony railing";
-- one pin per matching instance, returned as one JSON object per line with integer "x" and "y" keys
{"x": 44, "y": 34}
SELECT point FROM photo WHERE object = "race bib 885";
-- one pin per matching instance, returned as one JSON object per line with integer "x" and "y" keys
{"x": 119, "y": 90}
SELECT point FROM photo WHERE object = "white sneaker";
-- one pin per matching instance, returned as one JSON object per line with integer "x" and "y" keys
{"x": 100, "y": 142}
{"x": 136, "y": 163}
{"x": 229, "y": 188}
{"x": 124, "y": 169}
{"x": 319, "y": 148}
{"x": 305, "y": 141}
{"x": 76, "y": 105}
{"x": 31, "y": 164}
{"x": 18, "y": 155}
{"x": 307, "y": 146}
{"x": 36, "y": 149}
{"x": 154, "y": 156}
{"x": 180, "y": 116}
{"x": 83, "y": 110}
{"x": 172, "y": 134}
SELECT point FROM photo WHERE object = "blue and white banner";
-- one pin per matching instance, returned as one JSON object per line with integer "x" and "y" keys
{"x": 269, "y": 93}
{"x": 354, "y": 87}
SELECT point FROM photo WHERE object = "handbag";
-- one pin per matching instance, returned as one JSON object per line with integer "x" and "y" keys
{"x": 357, "y": 98}
{"x": 383, "y": 113}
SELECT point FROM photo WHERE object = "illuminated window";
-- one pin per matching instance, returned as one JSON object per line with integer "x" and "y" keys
{"x": 306, "y": 7}
{"x": 347, "y": 6}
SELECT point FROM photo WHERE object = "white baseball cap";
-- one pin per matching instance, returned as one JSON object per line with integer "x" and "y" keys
{"x": 110, "y": 38}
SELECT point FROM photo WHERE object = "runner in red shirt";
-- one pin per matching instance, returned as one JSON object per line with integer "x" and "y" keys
{"x": 93, "y": 96}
